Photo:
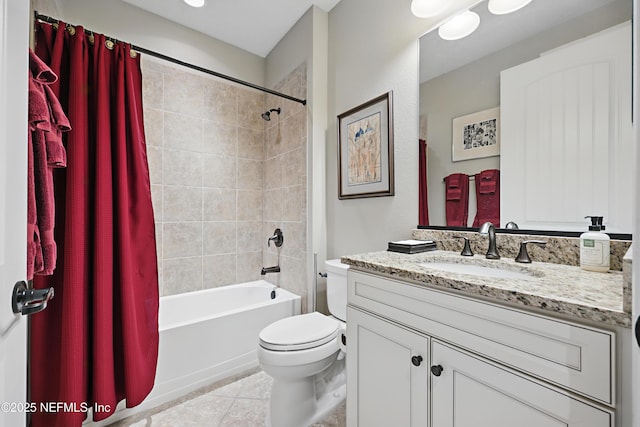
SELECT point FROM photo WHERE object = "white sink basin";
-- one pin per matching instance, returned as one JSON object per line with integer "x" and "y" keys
{"x": 477, "y": 270}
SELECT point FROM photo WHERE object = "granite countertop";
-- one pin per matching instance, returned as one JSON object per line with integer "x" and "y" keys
{"x": 567, "y": 290}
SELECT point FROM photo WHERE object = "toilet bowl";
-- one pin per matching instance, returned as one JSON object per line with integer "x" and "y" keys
{"x": 305, "y": 357}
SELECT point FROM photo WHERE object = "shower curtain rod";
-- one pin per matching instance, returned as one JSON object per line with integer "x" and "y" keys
{"x": 51, "y": 20}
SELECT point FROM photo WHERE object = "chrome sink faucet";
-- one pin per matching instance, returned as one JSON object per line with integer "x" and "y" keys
{"x": 492, "y": 250}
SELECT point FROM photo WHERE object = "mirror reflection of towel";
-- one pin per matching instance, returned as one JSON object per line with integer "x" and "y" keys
{"x": 457, "y": 199}
{"x": 488, "y": 197}
{"x": 488, "y": 181}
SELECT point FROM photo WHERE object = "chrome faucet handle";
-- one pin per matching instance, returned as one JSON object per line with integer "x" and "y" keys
{"x": 523, "y": 255}
{"x": 511, "y": 226}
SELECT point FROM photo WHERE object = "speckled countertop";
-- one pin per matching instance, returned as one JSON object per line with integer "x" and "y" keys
{"x": 567, "y": 290}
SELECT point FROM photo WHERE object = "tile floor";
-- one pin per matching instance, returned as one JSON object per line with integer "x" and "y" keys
{"x": 241, "y": 401}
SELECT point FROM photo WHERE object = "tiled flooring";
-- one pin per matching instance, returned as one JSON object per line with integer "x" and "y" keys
{"x": 241, "y": 402}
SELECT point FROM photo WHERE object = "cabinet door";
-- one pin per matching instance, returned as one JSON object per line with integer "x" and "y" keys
{"x": 385, "y": 386}
{"x": 471, "y": 392}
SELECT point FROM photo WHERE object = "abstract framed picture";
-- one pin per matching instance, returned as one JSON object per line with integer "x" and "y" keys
{"x": 365, "y": 150}
{"x": 476, "y": 135}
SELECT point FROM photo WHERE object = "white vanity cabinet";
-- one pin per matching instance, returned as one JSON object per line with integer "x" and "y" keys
{"x": 389, "y": 367}
{"x": 421, "y": 357}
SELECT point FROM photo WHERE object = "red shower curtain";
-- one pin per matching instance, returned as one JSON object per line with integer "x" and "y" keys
{"x": 423, "y": 201}
{"x": 97, "y": 342}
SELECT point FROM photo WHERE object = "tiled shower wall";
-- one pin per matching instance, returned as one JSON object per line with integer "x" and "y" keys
{"x": 285, "y": 183}
{"x": 206, "y": 148}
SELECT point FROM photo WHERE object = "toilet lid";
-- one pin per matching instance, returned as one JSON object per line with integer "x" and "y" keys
{"x": 299, "y": 332}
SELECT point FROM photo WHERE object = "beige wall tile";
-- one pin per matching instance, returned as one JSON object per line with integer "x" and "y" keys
{"x": 182, "y": 168}
{"x": 219, "y": 270}
{"x": 250, "y": 174}
{"x": 182, "y": 275}
{"x": 250, "y": 143}
{"x": 249, "y": 205}
{"x": 223, "y": 179}
{"x": 221, "y": 103}
{"x": 249, "y": 266}
{"x": 152, "y": 89}
{"x": 273, "y": 173}
{"x": 181, "y": 240}
{"x": 219, "y": 204}
{"x": 182, "y": 204}
{"x": 153, "y": 126}
{"x": 293, "y": 168}
{"x": 154, "y": 158}
{"x": 220, "y": 238}
{"x": 157, "y": 201}
{"x": 183, "y": 93}
{"x": 219, "y": 171}
{"x": 250, "y": 237}
{"x": 250, "y": 109}
{"x": 182, "y": 132}
{"x": 221, "y": 139}
{"x": 273, "y": 205}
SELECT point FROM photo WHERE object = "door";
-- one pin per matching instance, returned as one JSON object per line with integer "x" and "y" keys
{"x": 566, "y": 118}
{"x": 387, "y": 377}
{"x": 14, "y": 44}
{"x": 470, "y": 392}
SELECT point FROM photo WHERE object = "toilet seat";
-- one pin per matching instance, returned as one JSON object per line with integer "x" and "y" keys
{"x": 299, "y": 332}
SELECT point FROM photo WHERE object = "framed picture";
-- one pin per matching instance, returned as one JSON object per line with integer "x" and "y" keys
{"x": 365, "y": 150}
{"x": 476, "y": 135}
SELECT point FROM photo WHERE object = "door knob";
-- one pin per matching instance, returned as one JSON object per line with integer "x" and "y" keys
{"x": 437, "y": 370}
{"x": 29, "y": 301}
{"x": 416, "y": 360}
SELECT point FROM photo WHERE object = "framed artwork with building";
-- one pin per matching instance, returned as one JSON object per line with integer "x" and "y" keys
{"x": 365, "y": 150}
{"x": 476, "y": 135}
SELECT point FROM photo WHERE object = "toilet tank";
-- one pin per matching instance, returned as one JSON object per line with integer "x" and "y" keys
{"x": 337, "y": 288}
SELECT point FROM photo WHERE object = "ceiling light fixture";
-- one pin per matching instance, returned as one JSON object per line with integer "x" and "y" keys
{"x": 195, "y": 3}
{"x": 459, "y": 26}
{"x": 427, "y": 8}
{"x": 502, "y": 7}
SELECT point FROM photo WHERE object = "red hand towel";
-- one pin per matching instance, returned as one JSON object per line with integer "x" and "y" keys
{"x": 457, "y": 199}
{"x": 488, "y": 197}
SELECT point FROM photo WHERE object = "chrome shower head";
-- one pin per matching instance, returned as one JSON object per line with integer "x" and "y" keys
{"x": 267, "y": 114}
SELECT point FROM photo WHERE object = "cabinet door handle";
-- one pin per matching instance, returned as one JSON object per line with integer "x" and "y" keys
{"x": 437, "y": 370}
{"x": 416, "y": 360}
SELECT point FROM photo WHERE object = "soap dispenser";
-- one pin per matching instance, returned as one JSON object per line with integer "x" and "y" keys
{"x": 594, "y": 247}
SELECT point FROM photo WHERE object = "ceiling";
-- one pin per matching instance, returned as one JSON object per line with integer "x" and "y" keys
{"x": 497, "y": 32}
{"x": 252, "y": 25}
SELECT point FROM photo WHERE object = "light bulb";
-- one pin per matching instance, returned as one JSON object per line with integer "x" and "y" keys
{"x": 459, "y": 26}
{"x": 502, "y": 7}
{"x": 427, "y": 8}
{"x": 195, "y": 3}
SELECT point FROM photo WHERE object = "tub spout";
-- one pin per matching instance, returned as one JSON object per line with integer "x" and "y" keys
{"x": 274, "y": 269}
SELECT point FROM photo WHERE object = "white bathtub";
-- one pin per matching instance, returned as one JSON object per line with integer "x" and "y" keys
{"x": 209, "y": 335}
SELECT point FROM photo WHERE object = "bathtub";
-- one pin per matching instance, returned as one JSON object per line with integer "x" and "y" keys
{"x": 209, "y": 335}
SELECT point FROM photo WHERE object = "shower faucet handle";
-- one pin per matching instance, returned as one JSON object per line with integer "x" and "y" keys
{"x": 277, "y": 238}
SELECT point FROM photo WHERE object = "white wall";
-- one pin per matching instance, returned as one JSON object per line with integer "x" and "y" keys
{"x": 130, "y": 24}
{"x": 373, "y": 49}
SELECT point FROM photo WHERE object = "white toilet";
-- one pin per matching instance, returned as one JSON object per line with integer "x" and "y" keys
{"x": 305, "y": 357}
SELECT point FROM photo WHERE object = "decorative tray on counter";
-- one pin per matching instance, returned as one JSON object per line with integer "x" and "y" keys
{"x": 412, "y": 246}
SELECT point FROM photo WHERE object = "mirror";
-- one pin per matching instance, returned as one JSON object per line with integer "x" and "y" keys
{"x": 461, "y": 77}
